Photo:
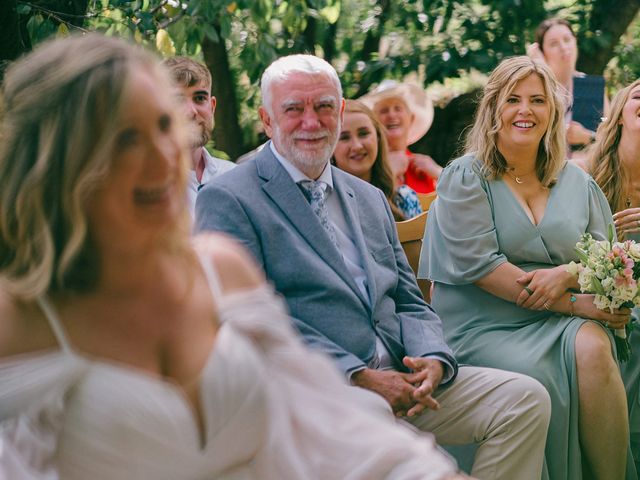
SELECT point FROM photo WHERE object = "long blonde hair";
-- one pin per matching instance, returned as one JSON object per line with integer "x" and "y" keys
{"x": 482, "y": 140}
{"x": 62, "y": 105}
{"x": 603, "y": 162}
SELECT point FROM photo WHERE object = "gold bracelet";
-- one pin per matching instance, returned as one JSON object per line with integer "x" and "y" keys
{"x": 572, "y": 300}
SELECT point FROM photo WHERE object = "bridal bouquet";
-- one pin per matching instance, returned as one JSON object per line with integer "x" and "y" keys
{"x": 611, "y": 271}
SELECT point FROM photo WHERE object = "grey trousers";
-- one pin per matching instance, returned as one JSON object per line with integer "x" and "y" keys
{"x": 505, "y": 413}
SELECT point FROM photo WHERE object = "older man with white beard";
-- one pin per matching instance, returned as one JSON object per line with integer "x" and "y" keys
{"x": 194, "y": 84}
{"x": 328, "y": 242}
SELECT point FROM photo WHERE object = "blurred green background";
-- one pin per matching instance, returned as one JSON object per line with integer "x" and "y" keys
{"x": 449, "y": 46}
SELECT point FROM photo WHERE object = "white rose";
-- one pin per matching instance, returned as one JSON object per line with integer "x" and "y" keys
{"x": 634, "y": 250}
{"x": 601, "y": 302}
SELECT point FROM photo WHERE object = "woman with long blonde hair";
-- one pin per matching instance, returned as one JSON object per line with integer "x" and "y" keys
{"x": 614, "y": 163}
{"x": 501, "y": 233}
{"x": 614, "y": 159}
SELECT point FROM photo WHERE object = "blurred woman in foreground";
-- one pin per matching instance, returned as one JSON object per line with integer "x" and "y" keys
{"x": 126, "y": 349}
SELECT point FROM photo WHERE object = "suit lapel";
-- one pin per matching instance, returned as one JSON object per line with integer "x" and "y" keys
{"x": 279, "y": 186}
{"x": 351, "y": 212}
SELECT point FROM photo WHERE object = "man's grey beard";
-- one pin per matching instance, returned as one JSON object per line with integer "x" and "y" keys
{"x": 303, "y": 159}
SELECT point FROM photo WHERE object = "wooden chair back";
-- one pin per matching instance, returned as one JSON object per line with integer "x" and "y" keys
{"x": 411, "y": 234}
{"x": 426, "y": 199}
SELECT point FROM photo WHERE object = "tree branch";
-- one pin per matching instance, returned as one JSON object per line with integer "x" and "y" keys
{"x": 612, "y": 18}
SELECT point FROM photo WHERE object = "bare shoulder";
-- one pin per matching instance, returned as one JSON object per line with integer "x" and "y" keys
{"x": 232, "y": 261}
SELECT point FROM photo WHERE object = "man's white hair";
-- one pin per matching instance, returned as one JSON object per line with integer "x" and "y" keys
{"x": 280, "y": 69}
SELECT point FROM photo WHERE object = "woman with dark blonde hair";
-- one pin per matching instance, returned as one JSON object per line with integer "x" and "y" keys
{"x": 614, "y": 163}
{"x": 127, "y": 348}
{"x": 362, "y": 151}
{"x": 501, "y": 232}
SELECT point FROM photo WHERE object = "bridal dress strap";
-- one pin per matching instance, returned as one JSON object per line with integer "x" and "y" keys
{"x": 54, "y": 322}
{"x": 212, "y": 276}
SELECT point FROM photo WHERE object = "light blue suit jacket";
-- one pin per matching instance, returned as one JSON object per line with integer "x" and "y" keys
{"x": 260, "y": 205}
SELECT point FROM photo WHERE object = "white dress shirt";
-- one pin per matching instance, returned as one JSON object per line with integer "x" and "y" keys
{"x": 213, "y": 167}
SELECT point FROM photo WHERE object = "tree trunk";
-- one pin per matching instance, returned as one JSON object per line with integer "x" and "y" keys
{"x": 371, "y": 43}
{"x": 309, "y": 37}
{"x": 329, "y": 43}
{"x": 612, "y": 18}
{"x": 227, "y": 133}
{"x": 372, "y": 40}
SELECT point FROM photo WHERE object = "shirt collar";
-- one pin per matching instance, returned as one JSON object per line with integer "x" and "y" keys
{"x": 295, "y": 173}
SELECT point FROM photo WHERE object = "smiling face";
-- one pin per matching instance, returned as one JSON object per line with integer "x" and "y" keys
{"x": 560, "y": 50}
{"x": 525, "y": 116}
{"x": 395, "y": 115}
{"x": 304, "y": 120}
{"x": 357, "y": 146}
{"x": 143, "y": 191}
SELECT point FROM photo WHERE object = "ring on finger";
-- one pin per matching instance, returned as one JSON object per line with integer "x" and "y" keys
{"x": 606, "y": 323}
{"x": 528, "y": 290}
{"x": 546, "y": 305}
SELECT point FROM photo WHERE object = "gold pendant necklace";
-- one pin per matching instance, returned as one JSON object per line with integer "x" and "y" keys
{"x": 517, "y": 178}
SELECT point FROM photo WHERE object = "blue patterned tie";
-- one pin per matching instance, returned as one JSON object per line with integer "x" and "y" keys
{"x": 316, "y": 191}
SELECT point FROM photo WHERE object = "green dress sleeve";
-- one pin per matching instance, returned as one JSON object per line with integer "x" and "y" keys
{"x": 460, "y": 244}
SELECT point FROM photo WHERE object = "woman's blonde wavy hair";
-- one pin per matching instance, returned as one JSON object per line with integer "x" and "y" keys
{"x": 482, "y": 140}
{"x": 60, "y": 113}
{"x": 603, "y": 161}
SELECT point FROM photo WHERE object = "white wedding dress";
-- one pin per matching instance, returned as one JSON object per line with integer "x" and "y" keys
{"x": 272, "y": 410}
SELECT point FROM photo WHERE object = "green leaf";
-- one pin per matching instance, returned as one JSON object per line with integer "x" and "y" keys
{"x": 582, "y": 255}
{"x": 33, "y": 25}
{"x": 63, "y": 30}
{"x": 261, "y": 10}
{"x": 22, "y": 9}
{"x": 211, "y": 33}
{"x": 164, "y": 43}
{"x": 225, "y": 26}
{"x": 597, "y": 286}
{"x": 611, "y": 233}
{"x": 331, "y": 13}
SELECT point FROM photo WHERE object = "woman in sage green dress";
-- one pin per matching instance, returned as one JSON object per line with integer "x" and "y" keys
{"x": 614, "y": 162}
{"x": 504, "y": 225}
